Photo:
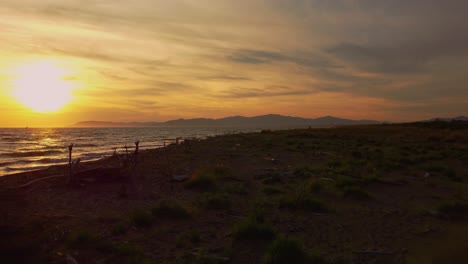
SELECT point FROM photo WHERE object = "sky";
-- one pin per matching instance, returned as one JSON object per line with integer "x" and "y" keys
{"x": 155, "y": 60}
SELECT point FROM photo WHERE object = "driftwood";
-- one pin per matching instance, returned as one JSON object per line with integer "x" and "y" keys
{"x": 101, "y": 173}
{"x": 98, "y": 174}
{"x": 180, "y": 177}
{"x": 374, "y": 252}
{"x": 36, "y": 180}
{"x": 70, "y": 164}
{"x": 71, "y": 260}
{"x": 327, "y": 179}
{"x": 222, "y": 259}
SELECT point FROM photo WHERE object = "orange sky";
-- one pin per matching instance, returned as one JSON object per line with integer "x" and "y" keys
{"x": 157, "y": 60}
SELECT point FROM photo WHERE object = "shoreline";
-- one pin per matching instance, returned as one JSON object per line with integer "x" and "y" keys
{"x": 25, "y": 176}
{"x": 22, "y": 150}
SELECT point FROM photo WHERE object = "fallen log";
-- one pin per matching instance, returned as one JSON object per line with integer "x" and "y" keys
{"x": 35, "y": 181}
{"x": 96, "y": 174}
{"x": 100, "y": 174}
{"x": 374, "y": 252}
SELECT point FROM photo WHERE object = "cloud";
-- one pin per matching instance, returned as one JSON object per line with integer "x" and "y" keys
{"x": 226, "y": 78}
{"x": 401, "y": 58}
{"x": 380, "y": 59}
{"x": 301, "y": 58}
{"x": 257, "y": 56}
{"x": 268, "y": 91}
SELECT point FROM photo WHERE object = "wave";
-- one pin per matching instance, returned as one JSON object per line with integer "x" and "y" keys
{"x": 54, "y": 147}
{"x": 25, "y": 168}
{"x": 26, "y": 162}
{"x": 3, "y": 164}
{"x": 36, "y": 148}
{"x": 36, "y": 153}
{"x": 51, "y": 161}
{"x": 13, "y": 139}
{"x": 89, "y": 156}
{"x": 84, "y": 145}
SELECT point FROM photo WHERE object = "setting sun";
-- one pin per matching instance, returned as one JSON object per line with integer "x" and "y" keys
{"x": 43, "y": 86}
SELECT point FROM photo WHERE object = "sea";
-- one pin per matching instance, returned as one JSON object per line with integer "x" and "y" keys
{"x": 26, "y": 149}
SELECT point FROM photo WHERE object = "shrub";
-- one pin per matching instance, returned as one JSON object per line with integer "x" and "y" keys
{"x": 315, "y": 185}
{"x": 357, "y": 154}
{"x": 81, "y": 239}
{"x": 452, "y": 175}
{"x": 303, "y": 171}
{"x": 206, "y": 178}
{"x": 215, "y": 201}
{"x": 170, "y": 210}
{"x": 289, "y": 251}
{"x": 192, "y": 237}
{"x": 302, "y": 201}
{"x": 346, "y": 181}
{"x": 356, "y": 192}
{"x": 141, "y": 218}
{"x": 236, "y": 188}
{"x": 13, "y": 251}
{"x": 253, "y": 228}
{"x": 271, "y": 178}
{"x": 270, "y": 190}
{"x": 454, "y": 210}
{"x": 129, "y": 253}
{"x": 119, "y": 229}
{"x": 203, "y": 182}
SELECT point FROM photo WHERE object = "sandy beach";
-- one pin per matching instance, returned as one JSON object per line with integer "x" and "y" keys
{"x": 361, "y": 194}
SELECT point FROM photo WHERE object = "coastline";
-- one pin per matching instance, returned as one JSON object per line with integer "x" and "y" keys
{"x": 62, "y": 169}
{"x": 327, "y": 189}
{"x": 33, "y": 149}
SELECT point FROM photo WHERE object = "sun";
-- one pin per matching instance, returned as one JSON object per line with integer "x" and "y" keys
{"x": 43, "y": 86}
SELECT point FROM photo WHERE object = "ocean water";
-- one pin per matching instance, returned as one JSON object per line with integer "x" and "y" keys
{"x": 24, "y": 149}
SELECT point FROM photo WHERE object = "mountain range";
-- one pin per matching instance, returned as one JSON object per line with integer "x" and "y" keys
{"x": 458, "y": 118}
{"x": 271, "y": 120}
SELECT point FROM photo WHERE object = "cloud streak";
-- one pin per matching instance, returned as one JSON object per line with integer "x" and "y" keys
{"x": 269, "y": 91}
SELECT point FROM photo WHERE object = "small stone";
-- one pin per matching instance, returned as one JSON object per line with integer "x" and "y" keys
{"x": 181, "y": 177}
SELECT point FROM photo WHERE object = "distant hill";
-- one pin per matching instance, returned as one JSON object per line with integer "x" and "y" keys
{"x": 270, "y": 120}
{"x": 458, "y": 118}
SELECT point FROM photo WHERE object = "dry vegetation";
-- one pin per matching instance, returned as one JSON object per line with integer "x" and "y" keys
{"x": 364, "y": 194}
